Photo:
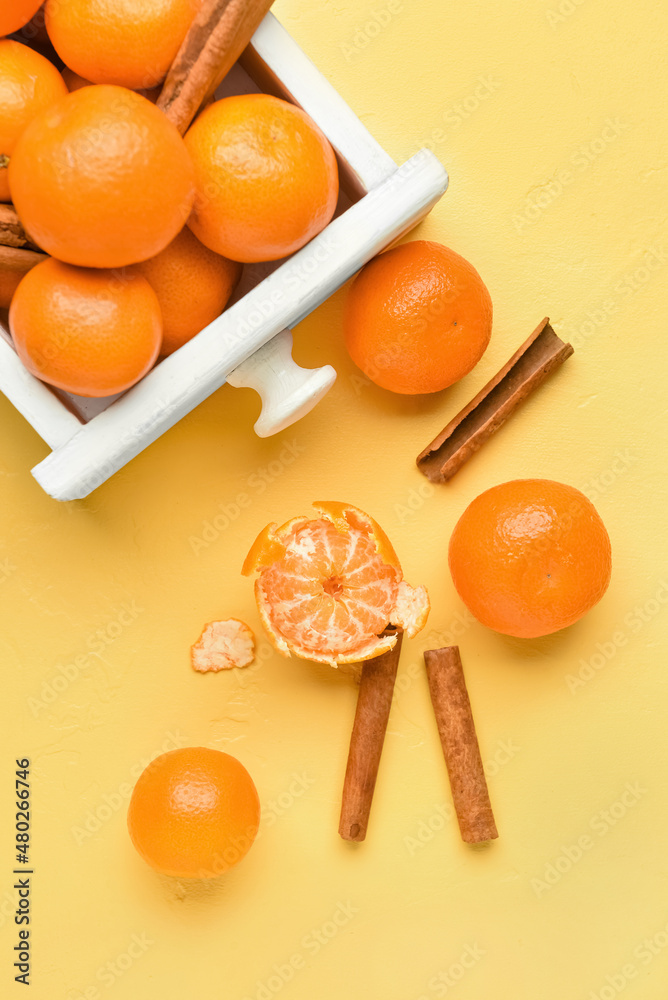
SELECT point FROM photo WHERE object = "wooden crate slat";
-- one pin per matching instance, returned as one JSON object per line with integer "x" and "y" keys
{"x": 90, "y": 447}
{"x": 53, "y": 422}
{"x": 295, "y": 75}
{"x": 187, "y": 377}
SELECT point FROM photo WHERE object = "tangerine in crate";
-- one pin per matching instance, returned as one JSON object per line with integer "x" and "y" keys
{"x": 267, "y": 179}
{"x": 418, "y": 318}
{"x": 89, "y": 442}
{"x": 15, "y": 13}
{"x": 328, "y": 587}
{"x": 530, "y": 557}
{"x": 193, "y": 285}
{"x": 29, "y": 83}
{"x": 87, "y": 331}
{"x": 119, "y": 41}
{"x": 194, "y": 813}
{"x": 102, "y": 178}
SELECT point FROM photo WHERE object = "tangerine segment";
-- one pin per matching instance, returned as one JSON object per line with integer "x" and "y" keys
{"x": 530, "y": 557}
{"x": 329, "y": 584}
{"x": 344, "y": 514}
{"x": 268, "y": 546}
{"x": 194, "y": 813}
{"x": 326, "y": 589}
{"x": 102, "y": 178}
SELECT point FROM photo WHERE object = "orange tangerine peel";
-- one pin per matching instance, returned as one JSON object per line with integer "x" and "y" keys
{"x": 329, "y": 586}
{"x": 412, "y": 608}
{"x": 268, "y": 546}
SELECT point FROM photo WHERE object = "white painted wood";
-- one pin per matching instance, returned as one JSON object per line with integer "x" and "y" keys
{"x": 287, "y": 390}
{"x": 282, "y": 300}
{"x": 53, "y": 422}
{"x": 106, "y": 434}
{"x": 310, "y": 90}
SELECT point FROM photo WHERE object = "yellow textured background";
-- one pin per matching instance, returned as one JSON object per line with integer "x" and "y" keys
{"x": 550, "y": 117}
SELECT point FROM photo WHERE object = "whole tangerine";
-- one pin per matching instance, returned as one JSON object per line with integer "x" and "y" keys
{"x": 14, "y": 14}
{"x": 29, "y": 83}
{"x": 119, "y": 41}
{"x": 266, "y": 176}
{"x": 193, "y": 285}
{"x": 530, "y": 557}
{"x": 194, "y": 813}
{"x": 89, "y": 332}
{"x": 417, "y": 318}
{"x": 102, "y": 178}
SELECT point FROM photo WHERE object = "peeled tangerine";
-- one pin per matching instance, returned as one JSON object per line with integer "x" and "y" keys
{"x": 329, "y": 586}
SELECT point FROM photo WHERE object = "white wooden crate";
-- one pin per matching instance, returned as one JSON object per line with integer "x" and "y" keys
{"x": 92, "y": 439}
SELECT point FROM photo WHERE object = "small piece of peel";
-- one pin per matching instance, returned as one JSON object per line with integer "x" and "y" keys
{"x": 223, "y": 645}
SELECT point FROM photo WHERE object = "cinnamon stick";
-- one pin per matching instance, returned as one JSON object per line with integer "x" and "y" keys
{"x": 366, "y": 743}
{"x": 14, "y": 264}
{"x": 495, "y": 403}
{"x": 460, "y": 744}
{"x": 218, "y": 35}
{"x": 12, "y": 233}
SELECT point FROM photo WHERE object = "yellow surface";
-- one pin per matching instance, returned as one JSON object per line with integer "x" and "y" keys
{"x": 558, "y": 194}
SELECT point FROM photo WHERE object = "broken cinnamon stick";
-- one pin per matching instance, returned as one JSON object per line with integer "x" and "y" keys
{"x": 456, "y": 729}
{"x": 218, "y": 35}
{"x": 12, "y": 233}
{"x": 14, "y": 264}
{"x": 366, "y": 743}
{"x": 494, "y": 404}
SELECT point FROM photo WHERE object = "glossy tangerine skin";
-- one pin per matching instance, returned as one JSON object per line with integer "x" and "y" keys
{"x": 102, "y": 178}
{"x": 530, "y": 557}
{"x": 87, "y": 331}
{"x": 418, "y": 318}
{"x": 266, "y": 176}
{"x": 131, "y": 43}
{"x": 29, "y": 84}
{"x": 193, "y": 285}
{"x": 194, "y": 813}
{"x": 15, "y": 13}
